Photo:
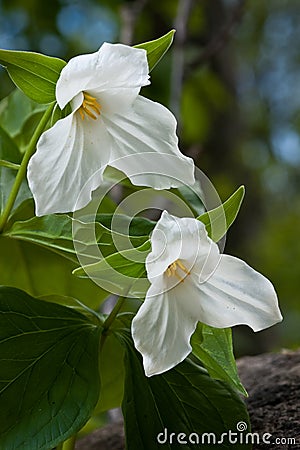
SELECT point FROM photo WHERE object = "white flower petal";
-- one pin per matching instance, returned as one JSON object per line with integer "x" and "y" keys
{"x": 180, "y": 238}
{"x": 161, "y": 332}
{"x": 118, "y": 69}
{"x": 146, "y": 146}
{"x": 70, "y": 156}
{"x": 165, "y": 245}
{"x": 235, "y": 294}
{"x": 219, "y": 290}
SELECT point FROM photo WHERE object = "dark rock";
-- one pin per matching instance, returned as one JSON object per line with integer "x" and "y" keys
{"x": 110, "y": 437}
{"x": 273, "y": 384}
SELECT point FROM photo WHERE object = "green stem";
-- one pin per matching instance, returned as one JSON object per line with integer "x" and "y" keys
{"x": 22, "y": 170}
{"x": 115, "y": 311}
{"x": 9, "y": 164}
{"x": 110, "y": 319}
{"x": 70, "y": 443}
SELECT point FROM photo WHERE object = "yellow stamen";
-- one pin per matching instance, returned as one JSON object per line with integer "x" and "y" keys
{"x": 175, "y": 268}
{"x": 90, "y": 106}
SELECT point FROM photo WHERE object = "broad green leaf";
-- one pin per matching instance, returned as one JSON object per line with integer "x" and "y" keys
{"x": 218, "y": 220}
{"x": 213, "y": 347}
{"x": 157, "y": 48}
{"x": 9, "y": 152}
{"x": 34, "y": 73}
{"x": 183, "y": 400}
{"x": 137, "y": 226}
{"x": 72, "y": 303}
{"x": 123, "y": 273}
{"x": 41, "y": 272}
{"x": 15, "y": 111}
{"x": 55, "y": 233}
{"x": 49, "y": 380}
{"x": 125, "y": 231}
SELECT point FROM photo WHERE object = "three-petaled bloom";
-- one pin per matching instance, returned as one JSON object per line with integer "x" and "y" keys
{"x": 190, "y": 282}
{"x": 109, "y": 124}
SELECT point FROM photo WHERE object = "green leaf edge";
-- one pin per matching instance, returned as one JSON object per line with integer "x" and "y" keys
{"x": 160, "y": 42}
{"x": 80, "y": 271}
{"x": 224, "y": 212}
{"x": 12, "y": 67}
{"x": 236, "y": 382}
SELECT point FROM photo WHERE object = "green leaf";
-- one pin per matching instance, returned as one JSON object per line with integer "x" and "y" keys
{"x": 55, "y": 233}
{"x": 35, "y": 74}
{"x": 24, "y": 211}
{"x": 136, "y": 226}
{"x": 15, "y": 111}
{"x": 29, "y": 241}
{"x": 192, "y": 196}
{"x": 213, "y": 347}
{"x": 123, "y": 273}
{"x": 60, "y": 113}
{"x": 183, "y": 400}
{"x": 10, "y": 152}
{"x": 58, "y": 232}
{"x": 41, "y": 272}
{"x": 123, "y": 232}
{"x": 157, "y": 48}
{"x": 49, "y": 371}
{"x": 218, "y": 220}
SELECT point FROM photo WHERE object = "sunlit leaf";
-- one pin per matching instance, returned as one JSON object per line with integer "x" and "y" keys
{"x": 218, "y": 220}
{"x": 157, "y": 48}
{"x": 34, "y": 73}
{"x": 59, "y": 233}
{"x": 123, "y": 272}
{"x": 53, "y": 232}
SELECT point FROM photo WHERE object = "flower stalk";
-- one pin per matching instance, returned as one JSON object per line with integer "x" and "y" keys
{"x": 115, "y": 311}
{"x": 22, "y": 169}
{"x": 110, "y": 319}
{"x": 68, "y": 444}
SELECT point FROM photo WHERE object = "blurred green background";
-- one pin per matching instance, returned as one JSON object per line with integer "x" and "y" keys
{"x": 232, "y": 79}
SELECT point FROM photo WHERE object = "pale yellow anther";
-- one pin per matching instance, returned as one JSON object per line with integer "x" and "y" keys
{"x": 90, "y": 106}
{"x": 175, "y": 268}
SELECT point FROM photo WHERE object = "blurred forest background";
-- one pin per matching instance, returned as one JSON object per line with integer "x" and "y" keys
{"x": 232, "y": 79}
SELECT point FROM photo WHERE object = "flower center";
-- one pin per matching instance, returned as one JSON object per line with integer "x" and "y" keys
{"x": 177, "y": 269}
{"x": 90, "y": 107}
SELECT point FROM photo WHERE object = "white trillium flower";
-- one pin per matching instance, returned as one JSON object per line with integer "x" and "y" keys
{"x": 109, "y": 123}
{"x": 190, "y": 282}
